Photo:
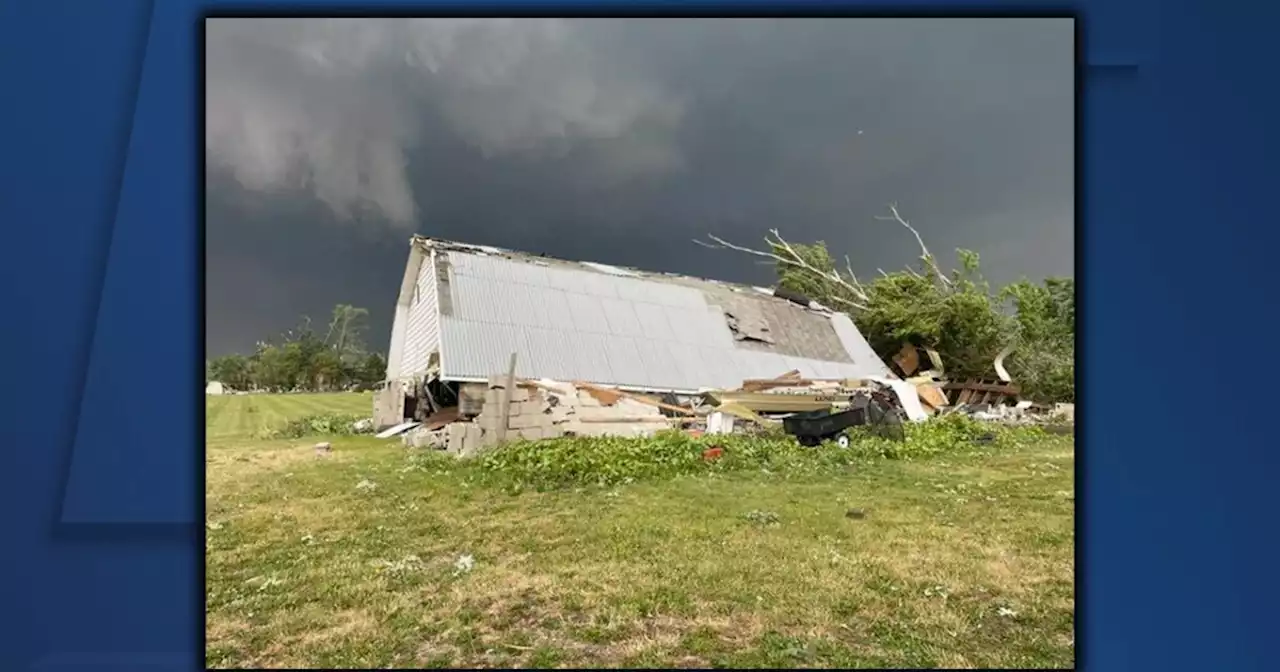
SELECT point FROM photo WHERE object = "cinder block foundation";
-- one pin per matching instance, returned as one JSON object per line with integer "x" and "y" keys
{"x": 538, "y": 414}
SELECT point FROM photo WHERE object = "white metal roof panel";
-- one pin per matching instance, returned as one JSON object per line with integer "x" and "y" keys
{"x": 579, "y": 324}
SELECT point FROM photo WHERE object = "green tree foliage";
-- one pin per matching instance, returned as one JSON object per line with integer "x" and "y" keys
{"x": 957, "y": 315}
{"x": 302, "y": 359}
{"x": 1044, "y": 333}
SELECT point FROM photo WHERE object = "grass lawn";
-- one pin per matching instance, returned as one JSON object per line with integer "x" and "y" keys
{"x": 245, "y": 415}
{"x": 352, "y": 560}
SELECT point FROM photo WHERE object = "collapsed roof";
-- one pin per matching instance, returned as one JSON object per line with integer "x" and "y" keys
{"x": 463, "y": 309}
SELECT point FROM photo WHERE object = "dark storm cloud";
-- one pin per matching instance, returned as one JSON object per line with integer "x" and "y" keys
{"x": 330, "y": 142}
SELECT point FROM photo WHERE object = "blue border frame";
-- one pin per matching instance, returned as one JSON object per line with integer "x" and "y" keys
{"x": 103, "y": 277}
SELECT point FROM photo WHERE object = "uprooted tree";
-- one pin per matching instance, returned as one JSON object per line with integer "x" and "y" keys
{"x": 955, "y": 313}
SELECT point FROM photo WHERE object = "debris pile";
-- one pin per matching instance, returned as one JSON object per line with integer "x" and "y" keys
{"x": 1022, "y": 413}
{"x": 533, "y": 411}
{"x": 812, "y": 410}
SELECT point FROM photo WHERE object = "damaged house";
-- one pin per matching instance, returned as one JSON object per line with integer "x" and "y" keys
{"x": 463, "y": 310}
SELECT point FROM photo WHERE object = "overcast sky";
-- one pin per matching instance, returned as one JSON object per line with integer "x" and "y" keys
{"x": 330, "y": 142}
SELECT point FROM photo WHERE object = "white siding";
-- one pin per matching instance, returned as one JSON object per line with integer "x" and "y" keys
{"x": 422, "y": 333}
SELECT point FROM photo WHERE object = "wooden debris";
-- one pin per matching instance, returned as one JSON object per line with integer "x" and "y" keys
{"x": 591, "y": 389}
{"x": 780, "y": 403}
{"x": 907, "y": 359}
{"x": 605, "y": 396}
{"x": 981, "y": 392}
{"x": 505, "y": 412}
{"x": 440, "y": 418}
{"x": 936, "y": 360}
{"x": 931, "y": 395}
{"x": 739, "y": 411}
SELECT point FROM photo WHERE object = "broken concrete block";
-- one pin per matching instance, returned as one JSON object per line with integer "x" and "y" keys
{"x": 527, "y": 421}
{"x": 498, "y": 381}
{"x": 552, "y": 431}
{"x": 455, "y": 437}
{"x": 619, "y": 413}
{"x": 530, "y": 434}
{"x": 425, "y": 439}
{"x": 474, "y": 437}
{"x": 534, "y": 407}
{"x": 633, "y": 406}
{"x": 493, "y": 399}
{"x": 488, "y": 421}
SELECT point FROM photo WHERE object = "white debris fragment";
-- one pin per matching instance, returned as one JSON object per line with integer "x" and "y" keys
{"x": 366, "y": 484}
{"x": 463, "y": 564}
{"x": 1006, "y": 612}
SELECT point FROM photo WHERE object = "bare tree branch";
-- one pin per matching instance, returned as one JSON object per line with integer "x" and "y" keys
{"x": 790, "y": 257}
{"x": 793, "y": 258}
{"x": 924, "y": 251}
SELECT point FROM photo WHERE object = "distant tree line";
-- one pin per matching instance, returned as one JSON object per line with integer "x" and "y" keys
{"x": 305, "y": 359}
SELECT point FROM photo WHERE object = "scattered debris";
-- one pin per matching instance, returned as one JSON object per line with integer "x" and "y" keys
{"x": 974, "y": 391}
{"x": 907, "y": 359}
{"x": 464, "y": 564}
{"x": 507, "y": 408}
{"x": 762, "y": 518}
{"x": 324, "y": 447}
{"x": 999, "y": 364}
{"x": 366, "y": 485}
{"x": 855, "y": 514}
{"x": 397, "y": 430}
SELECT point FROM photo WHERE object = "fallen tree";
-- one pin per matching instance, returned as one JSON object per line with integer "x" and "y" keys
{"x": 955, "y": 313}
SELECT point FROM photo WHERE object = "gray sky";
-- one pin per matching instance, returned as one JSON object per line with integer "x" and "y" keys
{"x": 329, "y": 142}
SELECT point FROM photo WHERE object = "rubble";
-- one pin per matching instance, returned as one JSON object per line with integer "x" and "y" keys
{"x": 1022, "y": 413}
{"x": 506, "y": 408}
{"x": 537, "y": 410}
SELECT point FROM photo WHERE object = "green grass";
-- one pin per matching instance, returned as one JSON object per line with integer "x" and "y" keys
{"x": 348, "y": 560}
{"x": 247, "y": 415}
